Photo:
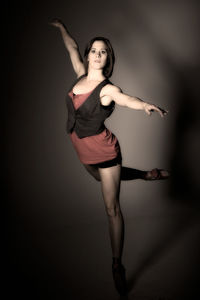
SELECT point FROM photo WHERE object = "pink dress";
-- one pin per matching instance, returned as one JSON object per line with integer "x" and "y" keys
{"x": 96, "y": 148}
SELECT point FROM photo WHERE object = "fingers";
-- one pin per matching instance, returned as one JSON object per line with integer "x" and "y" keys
{"x": 52, "y": 23}
{"x": 160, "y": 112}
{"x": 148, "y": 111}
{"x": 163, "y": 111}
{"x": 153, "y": 108}
{"x": 55, "y": 22}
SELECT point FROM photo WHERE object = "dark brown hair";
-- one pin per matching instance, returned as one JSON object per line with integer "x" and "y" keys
{"x": 108, "y": 69}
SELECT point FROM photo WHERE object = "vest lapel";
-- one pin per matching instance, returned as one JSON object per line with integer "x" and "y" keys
{"x": 91, "y": 99}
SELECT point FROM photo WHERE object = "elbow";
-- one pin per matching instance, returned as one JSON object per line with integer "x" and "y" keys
{"x": 72, "y": 46}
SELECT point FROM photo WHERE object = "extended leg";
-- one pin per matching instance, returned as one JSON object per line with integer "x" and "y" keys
{"x": 126, "y": 173}
{"x": 131, "y": 174}
{"x": 94, "y": 171}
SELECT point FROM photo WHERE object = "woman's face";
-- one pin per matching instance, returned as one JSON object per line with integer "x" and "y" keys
{"x": 97, "y": 57}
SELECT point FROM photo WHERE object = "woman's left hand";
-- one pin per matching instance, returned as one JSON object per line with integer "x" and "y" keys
{"x": 149, "y": 108}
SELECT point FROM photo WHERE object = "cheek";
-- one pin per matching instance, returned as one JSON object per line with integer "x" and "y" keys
{"x": 89, "y": 55}
{"x": 105, "y": 59}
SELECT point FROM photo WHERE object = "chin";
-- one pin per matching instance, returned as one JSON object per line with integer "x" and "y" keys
{"x": 98, "y": 68}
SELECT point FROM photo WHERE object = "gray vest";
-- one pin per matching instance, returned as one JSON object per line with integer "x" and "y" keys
{"x": 89, "y": 118}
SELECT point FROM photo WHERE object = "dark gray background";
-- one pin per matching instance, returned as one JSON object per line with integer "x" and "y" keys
{"x": 57, "y": 231}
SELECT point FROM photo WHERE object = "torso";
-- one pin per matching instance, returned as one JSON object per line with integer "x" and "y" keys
{"x": 96, "y": 148}
{"x": 83, "y": 87}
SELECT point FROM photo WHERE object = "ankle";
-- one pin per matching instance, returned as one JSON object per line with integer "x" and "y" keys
{"x": 116, "y": 261}
{"x": 144, "y": 174}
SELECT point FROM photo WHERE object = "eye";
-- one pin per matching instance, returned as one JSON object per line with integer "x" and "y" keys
{"x": 93, "y": 51}
{"x": 103, "y": 51}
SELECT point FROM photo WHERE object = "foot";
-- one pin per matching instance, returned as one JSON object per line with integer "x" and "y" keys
{"x": 156, "y": 174}
{"x": 119, "y": 277}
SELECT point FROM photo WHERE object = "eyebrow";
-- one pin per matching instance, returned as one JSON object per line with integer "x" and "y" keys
{"x": 100, "y": 49}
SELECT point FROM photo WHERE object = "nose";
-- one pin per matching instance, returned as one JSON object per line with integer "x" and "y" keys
{"x": 98, "y": 54}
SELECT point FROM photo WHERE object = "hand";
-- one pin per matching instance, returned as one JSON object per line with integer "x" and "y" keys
{"x": 149, "y": 108}
{"x": 56, "y": 22}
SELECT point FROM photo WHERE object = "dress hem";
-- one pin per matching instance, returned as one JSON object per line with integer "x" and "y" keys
{"x": 100, "y": 161}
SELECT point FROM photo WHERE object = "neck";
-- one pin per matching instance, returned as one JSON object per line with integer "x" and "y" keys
{"x": 96, "y": 75}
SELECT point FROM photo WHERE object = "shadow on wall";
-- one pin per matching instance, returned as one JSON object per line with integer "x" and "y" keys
{"x": 176, "y": 45}
{"x": 183, "y": 69}
{"x": 185, "y": 162}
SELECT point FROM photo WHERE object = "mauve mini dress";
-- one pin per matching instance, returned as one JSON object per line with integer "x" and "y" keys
{"x": 96, "y": 148}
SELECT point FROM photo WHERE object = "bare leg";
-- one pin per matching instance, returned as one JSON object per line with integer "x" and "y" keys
{"x": 110, "y": 184}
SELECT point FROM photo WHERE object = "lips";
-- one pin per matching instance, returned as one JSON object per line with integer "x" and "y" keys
{"x": 97, "y": 61}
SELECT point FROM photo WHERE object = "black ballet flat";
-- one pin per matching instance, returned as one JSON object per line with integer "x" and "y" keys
{"x": 119, "y": 277}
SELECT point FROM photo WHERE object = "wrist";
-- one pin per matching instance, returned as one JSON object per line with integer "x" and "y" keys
{"x": 144, "y": 105}
{"x": 61, "y": 26}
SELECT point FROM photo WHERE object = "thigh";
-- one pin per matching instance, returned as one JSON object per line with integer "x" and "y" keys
{"x": 110, "y": 184}
{"x": 93, "y": 171}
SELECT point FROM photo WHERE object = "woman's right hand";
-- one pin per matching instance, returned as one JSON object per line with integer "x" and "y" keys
{"x": 56, "y": 22}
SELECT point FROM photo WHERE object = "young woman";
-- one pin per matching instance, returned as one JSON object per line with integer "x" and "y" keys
{"x": 91, "y": 100}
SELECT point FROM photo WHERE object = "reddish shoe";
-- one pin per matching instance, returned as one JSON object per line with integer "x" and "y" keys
{"x": 156, "y": 174}
{"x": 119, "y": 278}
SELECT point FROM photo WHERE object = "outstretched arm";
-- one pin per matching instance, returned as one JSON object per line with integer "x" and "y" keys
{"x": 71, "y": 46}
{"x": 112, "y": 92}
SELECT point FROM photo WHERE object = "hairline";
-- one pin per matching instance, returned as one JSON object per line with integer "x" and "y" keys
{"x": 101, "y": 48}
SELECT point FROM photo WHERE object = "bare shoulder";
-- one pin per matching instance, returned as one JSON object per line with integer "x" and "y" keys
{"x": 108, "y": 92}
{"x": 109, "y": 89}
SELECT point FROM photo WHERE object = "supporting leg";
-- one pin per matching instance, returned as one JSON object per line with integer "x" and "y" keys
{"x": 110, "y": 184}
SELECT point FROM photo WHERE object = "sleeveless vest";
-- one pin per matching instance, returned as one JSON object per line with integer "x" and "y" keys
{"x": 89, "y": 118}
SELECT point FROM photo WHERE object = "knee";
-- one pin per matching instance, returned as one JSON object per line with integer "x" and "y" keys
{"x": 113, "y": 211}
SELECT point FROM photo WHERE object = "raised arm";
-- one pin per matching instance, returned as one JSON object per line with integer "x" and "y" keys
{"x": 112, "y": 92}
{"x": 72, "y": 47}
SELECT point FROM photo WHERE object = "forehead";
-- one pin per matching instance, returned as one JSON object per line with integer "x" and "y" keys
{"x": 99, "y": 45}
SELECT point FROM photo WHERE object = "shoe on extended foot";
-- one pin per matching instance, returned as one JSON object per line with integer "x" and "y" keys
{"x": 156, "y": 174}
{"x": 119, "y": 277}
